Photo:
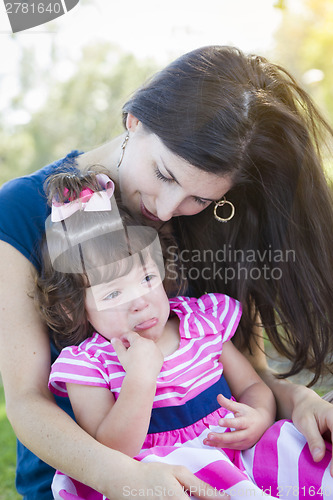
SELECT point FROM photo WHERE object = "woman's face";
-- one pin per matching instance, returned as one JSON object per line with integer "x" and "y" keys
{"x": 158, "y": 184}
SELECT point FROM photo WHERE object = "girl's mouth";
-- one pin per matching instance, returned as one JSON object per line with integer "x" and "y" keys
{"x": 145, "y": 325}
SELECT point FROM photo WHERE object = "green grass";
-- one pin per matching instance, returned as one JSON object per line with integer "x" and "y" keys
{"x": 7, "y": 455}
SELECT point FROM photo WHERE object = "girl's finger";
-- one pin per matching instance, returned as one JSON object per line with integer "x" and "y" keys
{"x": 228, "y": 404}
{"x": 129, "y": 337}
{"x": 226, "y": 439}
{"x": 119, "y": 347}
{"x": 233, "y": 423}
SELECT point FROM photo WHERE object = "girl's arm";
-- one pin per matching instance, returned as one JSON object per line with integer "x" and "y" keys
{"x": 255, "y": 408}
{"x": 121, "y": 424}
{"x": 40, "y": 424}
{"x": 311, "y": 415}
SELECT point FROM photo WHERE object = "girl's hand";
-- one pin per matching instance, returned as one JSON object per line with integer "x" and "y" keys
{"x": 313, "y": 417}
{"x": 139, "y": 356}
{"x": 249, "y": 425}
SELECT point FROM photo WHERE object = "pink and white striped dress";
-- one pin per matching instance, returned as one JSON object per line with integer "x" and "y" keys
{"x": 185, "y": 410}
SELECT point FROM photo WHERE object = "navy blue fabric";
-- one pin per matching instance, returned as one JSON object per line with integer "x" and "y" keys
{"x": 33, "y": 476}
{"x": 175, "y": 417}
{"x": 23, "y": 210}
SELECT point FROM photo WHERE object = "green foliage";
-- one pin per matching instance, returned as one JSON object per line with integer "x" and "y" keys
{"x": 304, "y": 46}
{"x": 304, "y": 43}
{"x": 7, "y": 455}
{"x": 280, "y": 4}
{"x": 80, "y": 111}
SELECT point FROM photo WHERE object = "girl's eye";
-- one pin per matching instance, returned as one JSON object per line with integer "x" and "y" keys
{"x": 162, "y": 177}
{"x": 149, "y": 277}
{"x": 112, "y": 295}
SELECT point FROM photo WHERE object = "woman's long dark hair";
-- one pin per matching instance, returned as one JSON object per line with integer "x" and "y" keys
{"x": 229, "y": 113}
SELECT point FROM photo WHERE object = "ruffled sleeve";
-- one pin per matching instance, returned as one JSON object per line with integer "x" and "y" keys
{"x": 211, "y": 314}
{"x": 79, "y": 366}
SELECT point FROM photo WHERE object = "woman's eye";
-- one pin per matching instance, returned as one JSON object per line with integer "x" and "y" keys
{"x": 201, "y": 201}
{"x": 112, "y": 295}
{"x": 162, "y": 177}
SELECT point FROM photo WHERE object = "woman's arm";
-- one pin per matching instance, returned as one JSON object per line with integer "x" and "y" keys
{"x": 25, "y": 364}
{"x": 39, "y": 423}
{"x": 122, "y": 424}
{"x": 311, "y": 415}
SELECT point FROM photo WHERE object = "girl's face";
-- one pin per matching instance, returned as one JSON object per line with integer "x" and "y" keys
{"x": 158, "y": 184}
{"x": 134, "y": 302}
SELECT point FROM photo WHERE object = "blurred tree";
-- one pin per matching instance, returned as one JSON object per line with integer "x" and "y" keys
{"x": 304, "y": 44}
{"x": 280, "y": 4}
{"x": 79, "y": 111}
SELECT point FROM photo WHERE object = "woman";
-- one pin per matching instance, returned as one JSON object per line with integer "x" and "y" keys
{"x": 214, "y": 126}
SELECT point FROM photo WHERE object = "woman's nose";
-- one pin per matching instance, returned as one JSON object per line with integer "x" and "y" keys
{"x": 167, "y": 207}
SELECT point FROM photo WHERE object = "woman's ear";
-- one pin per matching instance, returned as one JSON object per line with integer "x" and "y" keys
{"x": 131, "y": 122}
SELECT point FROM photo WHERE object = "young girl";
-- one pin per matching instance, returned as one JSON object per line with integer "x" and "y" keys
{"x": 150, "y": 368}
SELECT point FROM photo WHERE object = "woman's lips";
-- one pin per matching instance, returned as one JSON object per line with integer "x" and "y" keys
{"x": 145, "y": 325}
{"x": 148, "y": 214}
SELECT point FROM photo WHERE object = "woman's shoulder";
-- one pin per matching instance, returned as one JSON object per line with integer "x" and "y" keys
{"x": 24, "y": 208}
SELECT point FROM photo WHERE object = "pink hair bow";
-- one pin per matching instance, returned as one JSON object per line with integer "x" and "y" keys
{"x": 88, "y": 201}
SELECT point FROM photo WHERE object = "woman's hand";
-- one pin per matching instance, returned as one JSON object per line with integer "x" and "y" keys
{"x": 310, "y": 414}
{"x": 249, "y": 424}
{"x": 156, "y": 481}
{"x": 313, "y": 417}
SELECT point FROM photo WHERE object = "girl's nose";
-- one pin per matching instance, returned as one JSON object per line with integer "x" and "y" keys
{"x": 139, "y": 303}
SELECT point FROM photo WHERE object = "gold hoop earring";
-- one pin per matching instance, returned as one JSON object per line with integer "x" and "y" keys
{"x": 220, "y": 203}
{"x": 123, "y": 146}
